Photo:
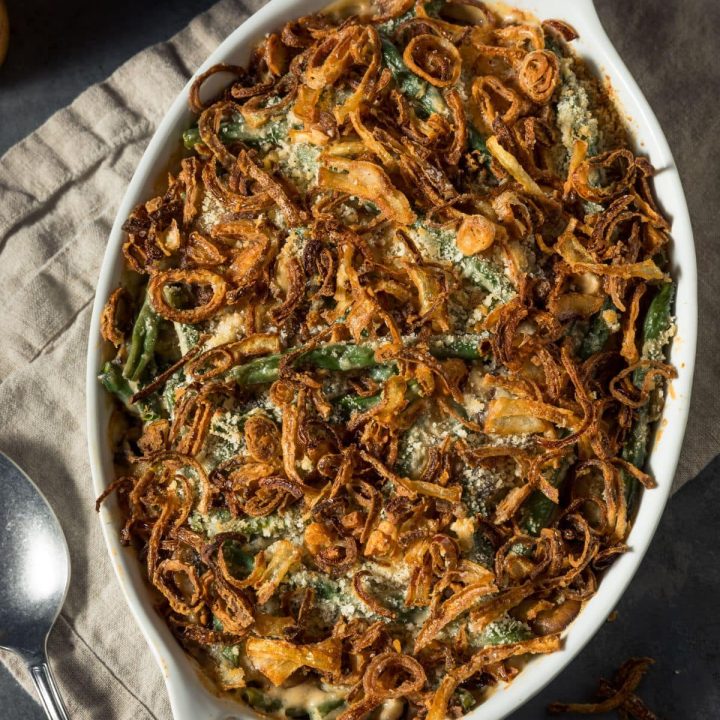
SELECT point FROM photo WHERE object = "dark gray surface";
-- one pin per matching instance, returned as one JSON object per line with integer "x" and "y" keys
{"x": 58, "y": 48}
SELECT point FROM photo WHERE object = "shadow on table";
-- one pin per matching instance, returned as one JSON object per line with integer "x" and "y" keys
{"x": 669, "y": 612}
{"x": 80, "y": 42}
{"x": 65, "y": 34}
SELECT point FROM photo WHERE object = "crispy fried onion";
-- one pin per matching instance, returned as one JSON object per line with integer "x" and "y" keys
{"x": 539, "y": 75}
{"x": 561, "y": 28}
{"x": 393, "y": 675}
{"x": 515, "y": 416}
{"x": 476, "y": 234}
{"x": 277, "y": 660}
{"x": 457, "y": 604}
{"x": 196, "y": 104}
{"x": 369, "y": 182}
{"x": 604, "y": 177}
{"x": 164, "y": 579}
{"x": 387, "y": 676}
{"x": 434, "y": 59}
{"x": 109, "y": 320}
{"x": 219, "y": 359}
{"x": 272, "y": 188}
{"x": 373, "y": 603}
{"x": 494, "y": 99}
{"x": 626, "y": 393}
{"x": 484, "y": 659}
{"x": 201, "y": 279}
{"x": 339, "y": 557}
{"x": 283, "y": 556}
{"x": 511, "y": 164}
{"x": 581, "y": 260}
{"x": 620, "y": 691}
{"x": 413, "y": 487}
{"x": 331, "y": 59}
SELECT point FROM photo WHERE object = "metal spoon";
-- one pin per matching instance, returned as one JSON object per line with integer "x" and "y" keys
{"x": 34, "y": 575}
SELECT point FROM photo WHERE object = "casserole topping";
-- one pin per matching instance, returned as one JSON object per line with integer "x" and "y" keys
{"x": 387, "y": 357}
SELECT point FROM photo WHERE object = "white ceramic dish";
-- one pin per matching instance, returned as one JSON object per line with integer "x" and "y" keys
{"x": 190, "y": 697}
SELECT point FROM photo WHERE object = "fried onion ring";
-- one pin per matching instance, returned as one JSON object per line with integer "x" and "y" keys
{"x": 198, "y": 277}
{"x": 434, "y": 59}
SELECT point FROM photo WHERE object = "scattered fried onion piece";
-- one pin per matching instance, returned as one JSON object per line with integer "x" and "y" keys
{"x": 626, "y": 680}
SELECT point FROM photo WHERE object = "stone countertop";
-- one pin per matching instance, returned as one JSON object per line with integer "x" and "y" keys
{"x": 669, "y": 612}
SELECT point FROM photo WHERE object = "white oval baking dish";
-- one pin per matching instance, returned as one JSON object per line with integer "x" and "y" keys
{"x": 190, "y": 697}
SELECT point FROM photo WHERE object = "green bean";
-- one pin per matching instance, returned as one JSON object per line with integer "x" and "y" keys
{"x": 297, "y": 712}
{"x": 113, "y": 381}
{"x": 220, "y": 520}
{"x": 326, "y": 707}
{"x": 658, "y": 321}
{"x": 340, "y": 357}
{"x": 259, "y": 700}
{"x": 477, "y": 142}
{"x": 116, "y": 384}
{"x": 236, "y": 131}
{"x": 382, "y": 373}
{"x": 466, "y": 699}
{"x": 538, "y": 509}
{"x": 483, "y": 551}
{"x": 433, "y": 7}
{"x": 172, "y": 384}
{"x": 256, "y": 372}
{"x": 357, "y": 403}
{"x": 343, "y": 357}
{"x": 325, "y": 588}
{"x": 656, "y": 326}
{"x": 142, "y": 342}
{"x": 479, "y": 271}
{"x": 505, "y": 632}
{"x": 598, "y": 333}
{"x": 239, "y": 562}
{"x": 466, "y": 347}
{"x": 635, "y": 452}
{"x": 427, "y": 96}
{"x": 187, "y": 335}
{"x": 484, "y": 274}
{"x": 232, "y": 654}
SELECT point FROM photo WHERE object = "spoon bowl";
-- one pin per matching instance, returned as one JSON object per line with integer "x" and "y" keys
{"x": 34, "y": 577}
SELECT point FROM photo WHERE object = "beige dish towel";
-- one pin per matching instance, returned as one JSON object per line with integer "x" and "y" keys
{"x": 59, "y": 190}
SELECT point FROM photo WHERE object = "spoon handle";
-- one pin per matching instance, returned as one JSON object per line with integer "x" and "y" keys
{"x": 45, "y": 683}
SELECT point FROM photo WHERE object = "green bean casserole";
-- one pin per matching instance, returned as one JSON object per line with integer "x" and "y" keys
{"x": 386, "y": 359}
